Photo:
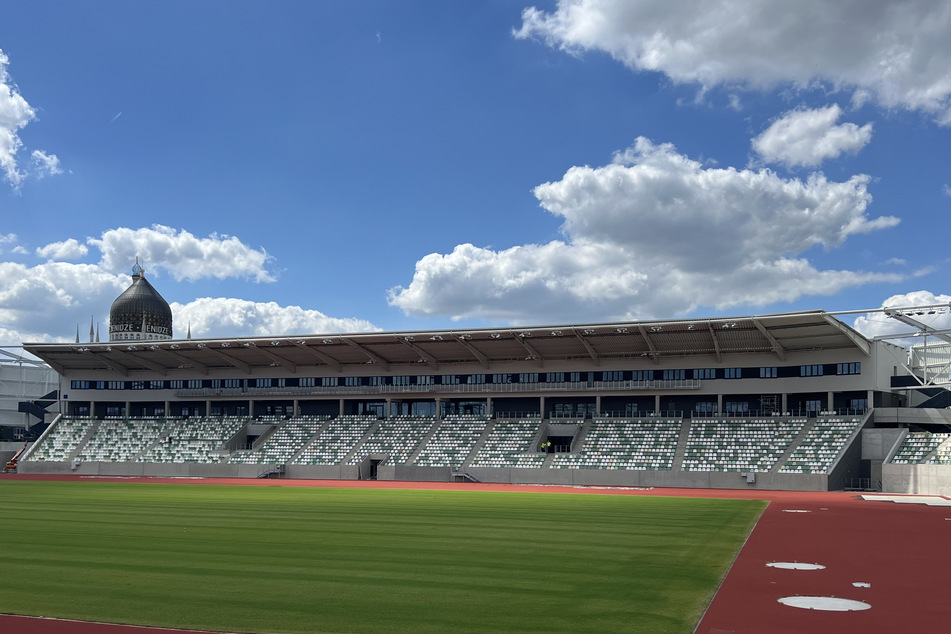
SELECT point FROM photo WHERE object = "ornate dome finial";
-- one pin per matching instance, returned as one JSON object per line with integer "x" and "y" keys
{"x": 137, "y": 271}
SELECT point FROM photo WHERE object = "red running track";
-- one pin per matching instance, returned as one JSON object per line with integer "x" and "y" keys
{"x": 898, "y": 549}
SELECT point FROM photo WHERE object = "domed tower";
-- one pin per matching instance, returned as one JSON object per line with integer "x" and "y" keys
{"x": 140, "y": 313}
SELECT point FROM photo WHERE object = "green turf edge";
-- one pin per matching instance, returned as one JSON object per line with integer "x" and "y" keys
{"x": 56, "y": 510}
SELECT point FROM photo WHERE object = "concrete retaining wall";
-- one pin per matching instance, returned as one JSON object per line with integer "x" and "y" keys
{"x": 568, "y": 477}
{"x": 920, "y": 479}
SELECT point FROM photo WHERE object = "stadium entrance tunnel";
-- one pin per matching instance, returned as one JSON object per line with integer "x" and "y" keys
{"x": 557, "y": 444}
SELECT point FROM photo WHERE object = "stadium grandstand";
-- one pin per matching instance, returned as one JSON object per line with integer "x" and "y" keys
{"x": 792, "y": 401}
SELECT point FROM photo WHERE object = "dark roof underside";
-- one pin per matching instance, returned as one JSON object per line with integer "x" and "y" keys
{"x": 346, "y": 353}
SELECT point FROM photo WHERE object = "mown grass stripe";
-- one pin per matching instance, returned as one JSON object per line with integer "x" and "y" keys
{"x": 278, "y": 559}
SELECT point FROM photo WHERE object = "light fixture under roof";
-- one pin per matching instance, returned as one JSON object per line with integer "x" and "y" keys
{"x": 556, "y": 333}
{"x": 495, "y": 335}
{"x": 327, "y": 341}
{"x": 174, "y": 346}
{"x": 200, "y": 346}
{"x": 588, "y": 331}
{"x": 436, "y": 337}
{"x": 83, "y": 349}
{"x": 131, "y": 348}
{"x": 275, "y": 343}
{"x": 621, "y": 330}
{"x": 409, "y": 338}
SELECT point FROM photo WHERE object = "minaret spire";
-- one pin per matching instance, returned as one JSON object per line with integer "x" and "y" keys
{"x": 92, "y": 333}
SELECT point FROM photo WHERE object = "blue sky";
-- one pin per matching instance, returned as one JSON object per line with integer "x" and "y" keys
{"x": 302, "y": 167}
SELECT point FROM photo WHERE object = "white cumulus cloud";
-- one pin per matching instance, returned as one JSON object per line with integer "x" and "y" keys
{"x": 880, "y": 325}
{"x": 15, "y": 113}
{"x": 229, "y": 317}
{"x": 805, "y": 138}
{"x": 183, "y": 255}
{"x": 897, "y": 53}
{"x": 46, "y": 302}
{"x": 45, "y": 164}
{"x": 69, "y": 249}
{"x": 655, "y": 233}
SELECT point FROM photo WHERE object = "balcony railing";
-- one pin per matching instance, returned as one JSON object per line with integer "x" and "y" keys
{"x": 437, "y": 388}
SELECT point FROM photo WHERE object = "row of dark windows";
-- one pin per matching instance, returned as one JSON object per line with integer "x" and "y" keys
{"x": 479, "y": 379}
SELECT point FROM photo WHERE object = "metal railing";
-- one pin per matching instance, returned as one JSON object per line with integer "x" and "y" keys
{"x": 436, "y": 388}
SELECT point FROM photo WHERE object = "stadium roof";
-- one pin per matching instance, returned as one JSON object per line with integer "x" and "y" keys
{"x": 779, "y": 334}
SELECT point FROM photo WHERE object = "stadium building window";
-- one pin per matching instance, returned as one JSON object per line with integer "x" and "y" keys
{"x": 328, "y": 381}
{"x": 554, "y": 377}
{"x": 450, "y": 379}
{"x": 613, "y": 375}
{"x": 810, "y": 370}
{"x": 813, "y": 407}
{"x": 476, "y": 379}
{"x": 424, "y": 379}
{"x": 262, "y": 382}
{"x": 176, "y": 384}
{"x": 501, "y": 378}
{"x": 732, "y": 373}
{"x": 280, "y": 382}
{"x": 643, "y": 375}
{"x": 737, "y": 407}
{"x": 858, "y": 404}
{"x": 228, "y": 383}
{"x": 377, "y": 380}
{"x": 156, "y": 385}
{"x": 307, "y": 381}
{"x": 138, "y": 385}
{"x": 767, "y": 373}
{"x": 528, "y": 377}
{"x": 401, "y": 380}
{"x": 352, "y": 381}
{"x": 116, "y": 385}
{"x": 194, "y": 384}
{"x": 674, "y": 375}
{"x": 575, "y": 377}
{"x": 704, "y": 373}
{"x": 705, "y": 407}
{"x": 100, "y": 385}
{"x": 848, "y": 368}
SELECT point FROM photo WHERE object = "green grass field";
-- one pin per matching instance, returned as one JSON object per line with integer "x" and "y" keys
{"x": 282, "y": 559}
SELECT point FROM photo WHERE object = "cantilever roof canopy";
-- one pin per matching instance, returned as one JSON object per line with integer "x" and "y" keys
{"x": 543, "y": 346}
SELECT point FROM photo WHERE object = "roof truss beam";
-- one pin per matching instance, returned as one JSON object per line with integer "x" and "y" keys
{"x": 151, "y": 365}
{"x": 201, "y": 367}
{"x": 323, "y": 358}
{"x": 428, "y": 358}
{"x": 860, "y": 342}
{"x": 463, "y": 339}
{"x": 650, "y": 344}
{"x": 114, "y": 365}
{"x": 230, "y": 360}
{"x": 533, "y": 353}
{"x": 375, "y": 358}
{"x": 587, "y": 346}
{"x": 777, "y": 347}
{"x": 273, "y": 356}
